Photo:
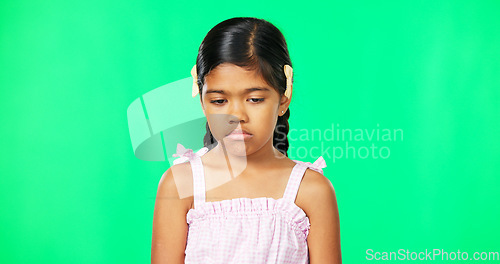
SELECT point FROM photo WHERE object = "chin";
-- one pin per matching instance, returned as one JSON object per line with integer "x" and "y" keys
{"x": 236, "y": 147}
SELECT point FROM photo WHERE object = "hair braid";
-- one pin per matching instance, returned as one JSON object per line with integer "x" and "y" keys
{"x": 209, "y": 140}
{"x": 280, "y": 136}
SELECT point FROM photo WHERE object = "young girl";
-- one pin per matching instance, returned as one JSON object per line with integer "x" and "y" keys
{"x": 240, "y": 199}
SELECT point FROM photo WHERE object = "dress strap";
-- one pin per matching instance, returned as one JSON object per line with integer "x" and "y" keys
{"x": 197, "y": 167}
{"x": 297, "y": 174}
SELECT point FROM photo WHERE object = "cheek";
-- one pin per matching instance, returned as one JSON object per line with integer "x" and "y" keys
{"x": 262, "y": 117}
{"x": 220, "y": 124}
{"x": 265, "y": 119}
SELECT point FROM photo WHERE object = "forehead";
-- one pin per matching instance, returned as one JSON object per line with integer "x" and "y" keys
{"x": 232, "y": 79}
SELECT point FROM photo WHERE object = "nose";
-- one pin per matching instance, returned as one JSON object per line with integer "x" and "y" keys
{"x": 237, "y": 112}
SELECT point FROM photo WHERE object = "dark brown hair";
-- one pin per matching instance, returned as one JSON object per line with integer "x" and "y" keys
{"x": 254, "y": 44}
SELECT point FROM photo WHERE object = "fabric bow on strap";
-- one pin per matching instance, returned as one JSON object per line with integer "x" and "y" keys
{"x": 318, "y": 165}
{"x": 185, "y": 154}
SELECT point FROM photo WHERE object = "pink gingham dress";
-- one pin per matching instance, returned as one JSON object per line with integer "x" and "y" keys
{"x": 245, "y": 230}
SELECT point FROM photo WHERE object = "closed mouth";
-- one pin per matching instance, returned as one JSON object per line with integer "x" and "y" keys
{"x": 239, "y": 132}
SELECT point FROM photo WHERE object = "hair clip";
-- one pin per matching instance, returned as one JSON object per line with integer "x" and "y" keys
{"x": 196, "y": 89}
{"x": 289, "y": 74}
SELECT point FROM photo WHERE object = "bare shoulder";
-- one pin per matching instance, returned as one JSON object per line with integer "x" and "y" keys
{"x": 177, "y": 183}
{"x": 316, "y": 192}
{"x": 318, "y": 200}
{"x": 169, "y": 221}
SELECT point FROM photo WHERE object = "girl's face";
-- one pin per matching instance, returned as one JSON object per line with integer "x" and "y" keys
{"x": 234, "y": 98}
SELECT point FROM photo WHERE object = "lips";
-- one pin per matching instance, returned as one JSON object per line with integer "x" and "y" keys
{"x": 239, "y": 132}
{"x": 239, "y": 135}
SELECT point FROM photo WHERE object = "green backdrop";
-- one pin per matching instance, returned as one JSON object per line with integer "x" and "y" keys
{"x": 72, "y": 191}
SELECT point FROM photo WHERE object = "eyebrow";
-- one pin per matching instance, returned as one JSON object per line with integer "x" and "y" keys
{"x": 248, "y": 90}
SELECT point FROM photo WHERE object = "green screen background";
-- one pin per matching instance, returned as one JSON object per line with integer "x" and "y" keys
{"x": 72, "y": 191}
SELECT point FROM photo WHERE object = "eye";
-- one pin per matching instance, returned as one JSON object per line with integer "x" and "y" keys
{"x": 217, "y": 102}
{"x": 256, "y": 100}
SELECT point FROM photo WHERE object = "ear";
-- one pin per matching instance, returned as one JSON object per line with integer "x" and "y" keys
{"x": 201, "y": 100}
{"x": 202, "y": 107}
{"x": 285, "y": 101}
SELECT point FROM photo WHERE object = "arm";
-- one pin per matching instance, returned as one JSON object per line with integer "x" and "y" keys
{"x": 169, "y": 223}
{"x": 324, "y": 236}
